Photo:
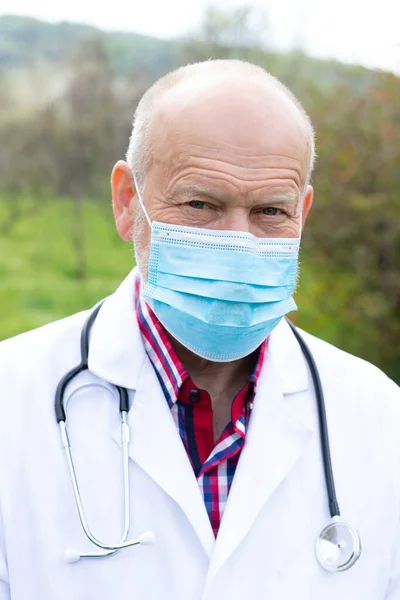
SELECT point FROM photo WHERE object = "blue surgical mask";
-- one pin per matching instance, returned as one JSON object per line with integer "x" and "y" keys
{"x": 219, "y": 293}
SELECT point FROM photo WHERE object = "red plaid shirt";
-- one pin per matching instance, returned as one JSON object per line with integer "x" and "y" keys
{"x": 214, "y": 464}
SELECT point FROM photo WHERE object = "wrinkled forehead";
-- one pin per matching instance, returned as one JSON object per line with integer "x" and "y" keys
{"x": 251, "y": 117}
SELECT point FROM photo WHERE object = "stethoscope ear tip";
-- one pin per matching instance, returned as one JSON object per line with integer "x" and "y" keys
{"x": 147, "y": 538}
{"x": 71, "y": 555}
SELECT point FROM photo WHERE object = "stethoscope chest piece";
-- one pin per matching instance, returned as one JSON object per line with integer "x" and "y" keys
{"x": 338, "y": 546}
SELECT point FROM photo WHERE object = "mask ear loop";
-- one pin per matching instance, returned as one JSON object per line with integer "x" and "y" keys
{"x": 300, "y": 228}
{"x": 141, "y": 200}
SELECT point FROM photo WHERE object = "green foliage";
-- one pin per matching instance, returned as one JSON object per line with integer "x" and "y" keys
{"x": 25, "y": 41}
{"x": 37, "y": 263}
{"x": 242, "y": 33}
{"x": 334, "y": 304}
{"x": 356, "y": 218}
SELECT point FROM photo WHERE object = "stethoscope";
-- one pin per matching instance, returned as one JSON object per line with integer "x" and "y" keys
{"x": 147, "y": 538}
{"x": 337, "y": 547}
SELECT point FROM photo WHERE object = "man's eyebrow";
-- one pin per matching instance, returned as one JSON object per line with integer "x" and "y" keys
{"x": 194, "y": 189}
{"x": 281, "y": 198}
{"x": 278, "y": 198}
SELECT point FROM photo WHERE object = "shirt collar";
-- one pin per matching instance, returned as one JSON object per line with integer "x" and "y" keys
{"x": 169, "y": 369}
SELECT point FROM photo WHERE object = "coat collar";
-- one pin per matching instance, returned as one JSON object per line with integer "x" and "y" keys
{"x": 116, "y": 351}
{"x": 286, "y": 359}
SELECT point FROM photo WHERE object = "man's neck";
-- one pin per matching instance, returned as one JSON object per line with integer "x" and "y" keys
{"x": 217, "y": 378}
{"x": 222, "y": 381}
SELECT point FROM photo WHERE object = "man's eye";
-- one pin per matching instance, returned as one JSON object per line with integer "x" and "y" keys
{"x": 271, "y": 211}
{"x": 197, "y": 204}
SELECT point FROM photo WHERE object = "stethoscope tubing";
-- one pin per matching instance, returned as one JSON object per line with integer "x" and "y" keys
{"x": 83, "y": 366}
{"x": 125, "y": 438}
{"x": 323, "y": 424}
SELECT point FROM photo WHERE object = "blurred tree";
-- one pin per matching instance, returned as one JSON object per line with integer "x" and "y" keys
{"x": 68, "y": 146}
{"x": 88, "y": 143}
{"x": 28, "y": 163}
{"x": 355, "y": 222}
{"x": 238, "y": 33}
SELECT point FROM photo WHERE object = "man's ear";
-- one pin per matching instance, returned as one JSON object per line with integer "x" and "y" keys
{"x": 307, "y": 203}
{"x": 123, "y": 193}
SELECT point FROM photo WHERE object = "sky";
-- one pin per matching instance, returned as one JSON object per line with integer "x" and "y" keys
{"x": 356, "y": 31}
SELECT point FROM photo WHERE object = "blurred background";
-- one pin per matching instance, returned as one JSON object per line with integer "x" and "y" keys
{"x": 70, "y": 79}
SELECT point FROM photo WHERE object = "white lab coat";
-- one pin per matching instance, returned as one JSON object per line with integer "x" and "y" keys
{"x": 277, "y": 504}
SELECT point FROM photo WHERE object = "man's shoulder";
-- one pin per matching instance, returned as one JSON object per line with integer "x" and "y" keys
{"x": 41, "y": 345}
{"x": 348, "y": 372}
{"x": 339, "y": 358}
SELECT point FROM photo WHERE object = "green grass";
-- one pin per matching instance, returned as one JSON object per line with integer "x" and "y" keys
{"x": 38, "y": 265}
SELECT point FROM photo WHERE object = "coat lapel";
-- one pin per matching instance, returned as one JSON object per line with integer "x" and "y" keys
{"x": 158, "y": 450}
{"x": 117, "y": 355}
{"x": 275, "y": 440}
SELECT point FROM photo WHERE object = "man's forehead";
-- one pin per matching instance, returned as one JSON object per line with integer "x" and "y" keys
{"x": 254, "y": 116}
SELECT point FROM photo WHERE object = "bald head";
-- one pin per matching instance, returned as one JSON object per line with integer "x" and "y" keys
{"x": 231, "y": 90}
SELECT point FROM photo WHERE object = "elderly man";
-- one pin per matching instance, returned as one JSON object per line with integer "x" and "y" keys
{"x": 228, "y": 467}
